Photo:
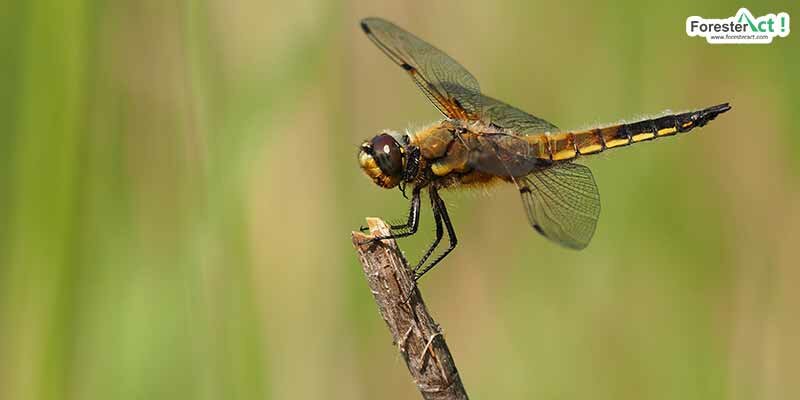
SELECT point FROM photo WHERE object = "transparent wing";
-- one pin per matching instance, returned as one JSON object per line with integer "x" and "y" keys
{"x": 509, "y": 151}
{"x": 513, "y": 120}
{"x": 562, "y": 203}
{"x": 502, "y": 154}
{"x": 448, "y": 85}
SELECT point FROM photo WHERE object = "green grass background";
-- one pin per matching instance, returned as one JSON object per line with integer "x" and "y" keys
{"x": 178, "y": 183}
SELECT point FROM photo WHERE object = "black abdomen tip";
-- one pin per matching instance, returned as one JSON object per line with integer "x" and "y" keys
{"x": 718, "y": 109}
{"x": 710, "y": 113}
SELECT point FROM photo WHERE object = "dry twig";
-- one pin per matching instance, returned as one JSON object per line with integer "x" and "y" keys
{"x": 413, "y": 330}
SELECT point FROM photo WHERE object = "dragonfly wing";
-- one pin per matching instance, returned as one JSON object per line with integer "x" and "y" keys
{"x": 502, "y": 154}
{"x": 508, "y": 151}
{"x": 447, "y": 84}
{"x": 562, "y": 203}
{"x": 513, "y": 120}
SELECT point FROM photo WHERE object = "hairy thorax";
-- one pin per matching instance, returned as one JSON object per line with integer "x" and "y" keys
{"x": 445, "y": 153}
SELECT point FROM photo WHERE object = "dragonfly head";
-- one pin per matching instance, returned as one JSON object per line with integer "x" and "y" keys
{"x": 383, "y": 159}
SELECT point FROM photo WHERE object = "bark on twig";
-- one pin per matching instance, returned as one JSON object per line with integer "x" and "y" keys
{"x": 413, "y": 330}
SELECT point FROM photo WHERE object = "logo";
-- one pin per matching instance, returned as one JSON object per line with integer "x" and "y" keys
{"x": 742, "y": 28}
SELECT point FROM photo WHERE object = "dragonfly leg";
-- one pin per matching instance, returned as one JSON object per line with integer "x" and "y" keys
{"x": 437, "y": 217}
{"x": 412, "y": 223}
{"x": 440, "y": 210}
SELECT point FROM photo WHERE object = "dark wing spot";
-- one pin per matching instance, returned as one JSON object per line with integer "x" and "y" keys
{"x": 365, "y": 28}
{"x": 539, "y": 229}
{"x": 407, "y": 67}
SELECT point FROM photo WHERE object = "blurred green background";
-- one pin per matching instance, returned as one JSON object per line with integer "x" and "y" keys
{"x": 178, "y": 183}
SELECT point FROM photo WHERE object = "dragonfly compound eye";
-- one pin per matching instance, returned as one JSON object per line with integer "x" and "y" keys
{"x": 387, "y": 154}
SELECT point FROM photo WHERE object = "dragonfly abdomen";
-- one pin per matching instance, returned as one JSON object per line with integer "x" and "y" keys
{"x": 568, "y": 145}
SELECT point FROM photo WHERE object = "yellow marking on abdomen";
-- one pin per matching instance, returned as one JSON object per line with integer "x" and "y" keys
{"x": 562, "y": 146}
{"x": 642, "y": 136}
{"x": 614, "y": 136}
{"x": 666, "y": 132}
{"x": 568, "y": 145}
{"x": 588, "y": 142}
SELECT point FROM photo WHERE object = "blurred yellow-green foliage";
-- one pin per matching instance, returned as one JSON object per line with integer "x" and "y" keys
{"x": 178, "y": 184}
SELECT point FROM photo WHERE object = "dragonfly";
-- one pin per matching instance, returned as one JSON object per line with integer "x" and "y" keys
{"x": 483, "y": 141}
